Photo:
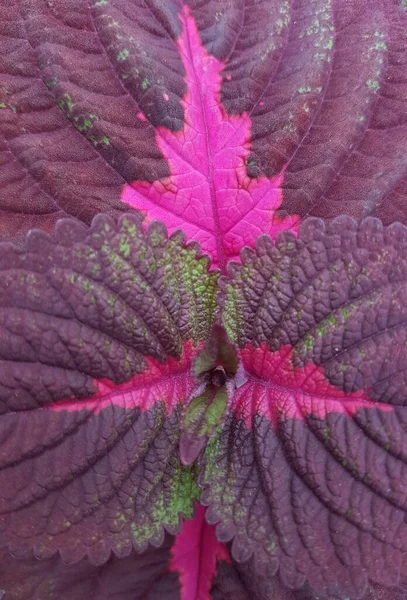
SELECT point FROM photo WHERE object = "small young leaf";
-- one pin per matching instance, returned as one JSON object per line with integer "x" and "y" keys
{"x": 202, "y": 416}
{"x": 215, "y": 367}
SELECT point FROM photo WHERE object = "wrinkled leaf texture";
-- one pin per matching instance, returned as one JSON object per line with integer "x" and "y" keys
{"x": 308, "y": 471}
{"x": 316, "y": 433}
{"x": 91, "y": 91}
{"x": 101, "y": 328}
{"x": 198, "y": 116}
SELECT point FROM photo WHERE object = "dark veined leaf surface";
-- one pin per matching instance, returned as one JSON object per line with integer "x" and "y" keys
{"x": 236, "y": 581}
{"x": 210, "y": 115}
{"x": 192, "y": 565}
{"x": 98, "y": 330}
{"x": 138, "y": 576}
{"x": 309, "y": 472}
{"x": 101, "y": 329}
{"x": 221, "y": 119}
{"x": 183, "y": 568}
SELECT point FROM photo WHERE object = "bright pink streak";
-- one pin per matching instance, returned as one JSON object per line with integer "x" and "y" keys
{"x": 194, "y": 554}
{"x": 170, "y": 382}
{"x": 209, "y": 194}
{"x": 280, "y": 391}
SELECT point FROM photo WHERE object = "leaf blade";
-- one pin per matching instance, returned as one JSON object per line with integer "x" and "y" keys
{"x": 99, "y": 361}
{"x": 307, "y": 441}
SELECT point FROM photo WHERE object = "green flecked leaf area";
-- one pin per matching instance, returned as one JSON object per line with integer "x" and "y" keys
{"x": 203, "y": 413}
{"x": 167, "y": 506}
{"x": 319, "y": 294}
{"x": 212, "y": 474}
{"x": 187, "y": 281}
{"x": 181, "y": 275}
{"x": 195, "y": 411}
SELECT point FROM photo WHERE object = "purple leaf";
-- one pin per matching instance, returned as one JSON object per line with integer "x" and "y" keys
{"x": 70, "y": 136}
{"x": 324, "y": 86}
{"x": 227, "y": 120}
{"x": 305, "y": 114}
{"x": 208, "y": 193}
{"x": 236, "y": 581}
{"x": 98, "y": 330}
{"x": 139, "y": 577}
{"x": 308, "y": 472}
{"x": 316, "y": 434}
{"x": 154, "y": 575}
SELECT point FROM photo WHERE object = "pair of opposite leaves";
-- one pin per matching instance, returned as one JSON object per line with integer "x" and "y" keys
{"x": 114, "y": 337}
{"x": 101, "y": 332}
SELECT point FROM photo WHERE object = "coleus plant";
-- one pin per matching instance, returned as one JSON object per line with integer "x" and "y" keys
{"x": 203, "y": 397}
